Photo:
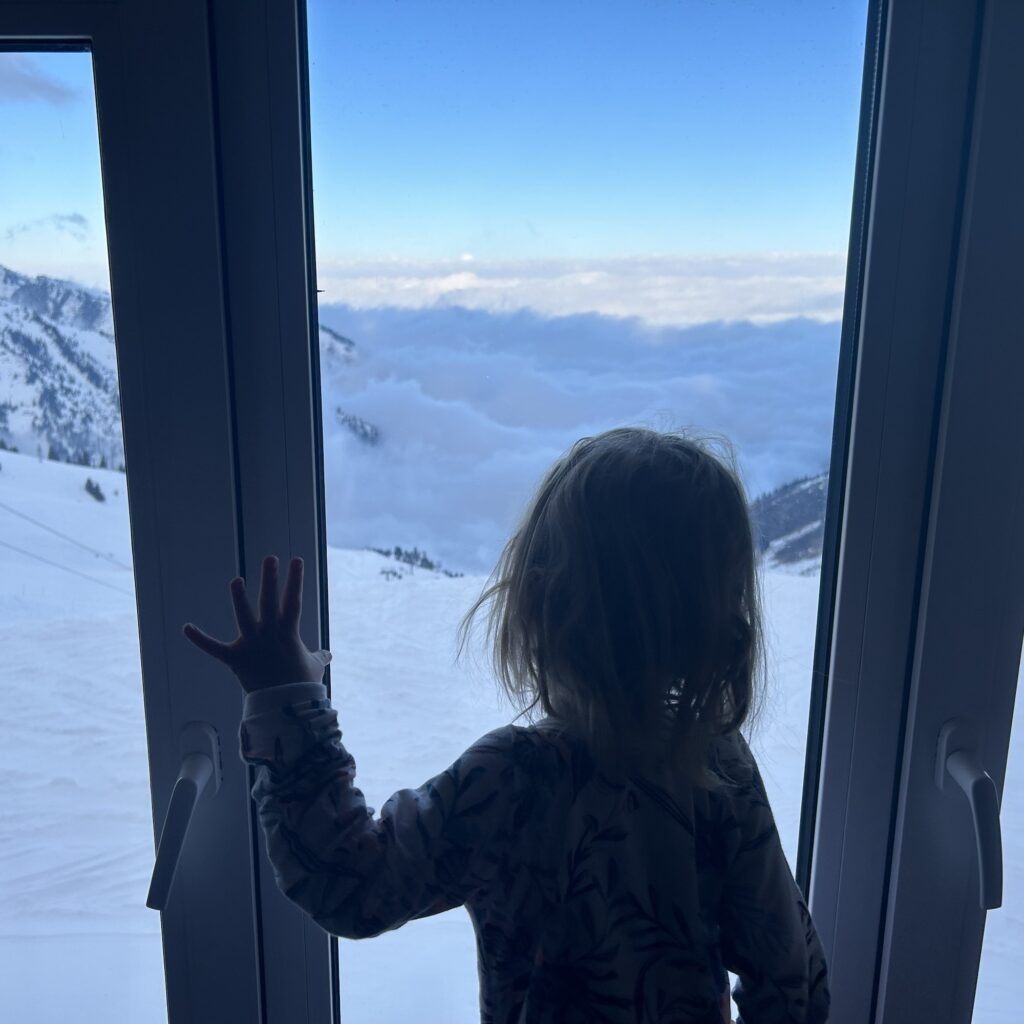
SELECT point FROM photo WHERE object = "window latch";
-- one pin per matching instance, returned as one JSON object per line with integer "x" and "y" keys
{"x": 957, "y": 758}
{"x": 199, "y": 746}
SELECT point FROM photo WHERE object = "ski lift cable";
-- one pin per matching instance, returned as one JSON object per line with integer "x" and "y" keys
{"x": 64, "y": 536}
{"x": 57, "y": 565}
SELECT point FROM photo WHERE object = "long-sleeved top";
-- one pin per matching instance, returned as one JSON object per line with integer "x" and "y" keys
{"x": 594, "y": 899}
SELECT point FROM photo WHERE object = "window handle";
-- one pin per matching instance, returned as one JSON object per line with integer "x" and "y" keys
{"x": 200, "y": 759}
{"x": 957, "y": 758}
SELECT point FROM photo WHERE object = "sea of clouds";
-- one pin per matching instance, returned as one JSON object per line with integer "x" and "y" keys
{"x": 473, "y": 405}
{"x": 669, "y": 290}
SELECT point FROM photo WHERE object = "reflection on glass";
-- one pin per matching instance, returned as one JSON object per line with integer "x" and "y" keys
{"x": 1002, "y": 955}
{"x": 76, "y": 833}
{"x": 534, "y": 223}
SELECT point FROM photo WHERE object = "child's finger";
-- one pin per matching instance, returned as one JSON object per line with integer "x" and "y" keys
{"x": 268, "y": 590}
{"x": 215, "y": 648}
{"x": 291, "y": 603}
{"x": 243, "y": 611}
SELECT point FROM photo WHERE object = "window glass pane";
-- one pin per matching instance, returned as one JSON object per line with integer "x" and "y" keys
{"x": 1002, "y": 956}
{"x": 535, "y": 222}
{"x": 76, "y": 832}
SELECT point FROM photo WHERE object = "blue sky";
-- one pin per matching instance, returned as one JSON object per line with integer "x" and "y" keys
{"x": 595, "y": 128}
{"x": 51, "y": 215}
{"x": 459, "y": 140}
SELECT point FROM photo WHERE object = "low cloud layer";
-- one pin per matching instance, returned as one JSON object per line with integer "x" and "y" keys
{"x": 760, "y": 288}
{"x": 472, "y": 407}
{"x": 22, "y": 79}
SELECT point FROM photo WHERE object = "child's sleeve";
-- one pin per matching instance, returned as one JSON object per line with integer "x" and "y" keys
{"x": 767, "y": 936}
{"x": 355, "y": 875}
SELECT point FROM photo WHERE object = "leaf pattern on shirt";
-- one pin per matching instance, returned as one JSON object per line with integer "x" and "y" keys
{"x": 594, "y": 899}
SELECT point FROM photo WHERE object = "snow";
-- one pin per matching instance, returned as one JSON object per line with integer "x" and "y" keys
{"x": 76, "y": 940}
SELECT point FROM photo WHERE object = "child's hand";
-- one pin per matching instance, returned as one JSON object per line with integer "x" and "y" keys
{"x": 268, "y": 651}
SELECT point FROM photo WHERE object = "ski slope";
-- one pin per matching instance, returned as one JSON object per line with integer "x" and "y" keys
{"x": 76, "y": 833}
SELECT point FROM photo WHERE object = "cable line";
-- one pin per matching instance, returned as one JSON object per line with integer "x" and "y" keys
{"x": 72, "y": 540}
{"x": 91, "y": 579}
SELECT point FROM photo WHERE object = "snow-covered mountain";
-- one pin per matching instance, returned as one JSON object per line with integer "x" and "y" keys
{"x": 58, "y": 372}
{"x": 790, "y": 522}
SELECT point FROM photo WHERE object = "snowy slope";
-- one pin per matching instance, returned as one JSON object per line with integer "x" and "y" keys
{"x": 76, "y": 835}
{"x": 790, "y": 522}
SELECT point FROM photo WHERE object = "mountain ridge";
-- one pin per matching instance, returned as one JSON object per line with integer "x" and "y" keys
{"x": 58, "y": 372}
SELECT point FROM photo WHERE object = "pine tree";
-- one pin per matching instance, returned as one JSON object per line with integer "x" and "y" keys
{"x": 94, "y": 489}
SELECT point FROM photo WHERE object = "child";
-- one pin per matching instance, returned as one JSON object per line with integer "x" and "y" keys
{"x": 616, "y": 857}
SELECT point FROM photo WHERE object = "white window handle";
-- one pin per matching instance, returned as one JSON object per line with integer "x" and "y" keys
{"x": 957, "y": 758}
{"x": 200, "y": 759}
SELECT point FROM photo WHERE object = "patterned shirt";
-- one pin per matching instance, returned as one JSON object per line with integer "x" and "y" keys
{"x": 594, "y": 899}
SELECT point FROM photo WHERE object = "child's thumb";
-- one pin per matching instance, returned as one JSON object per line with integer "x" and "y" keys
{"x": 324, "y": 655}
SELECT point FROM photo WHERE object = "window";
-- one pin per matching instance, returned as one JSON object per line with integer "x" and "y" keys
{"x": 534, "y": 224}
{"x": 76, "y": 832}
{"x": 154, "y": 108}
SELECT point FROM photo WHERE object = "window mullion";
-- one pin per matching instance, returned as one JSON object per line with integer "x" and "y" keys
{"x": 258, "y": 127}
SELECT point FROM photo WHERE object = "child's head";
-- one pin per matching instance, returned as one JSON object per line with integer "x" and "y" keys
{"x": 625, "y": 604}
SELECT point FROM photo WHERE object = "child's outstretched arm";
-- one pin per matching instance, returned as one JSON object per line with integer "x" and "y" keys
{"x": 355, "y": 875}
{"x": 767, "y": 936}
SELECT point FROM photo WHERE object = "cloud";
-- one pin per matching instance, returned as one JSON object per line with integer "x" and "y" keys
{"x": 474, "y": 406}
{"x": 663, "y": 290}
{"x": 74, "y": 224}
{"x": 22, "y": 79}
